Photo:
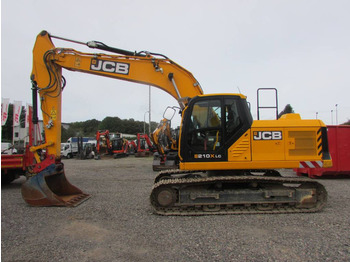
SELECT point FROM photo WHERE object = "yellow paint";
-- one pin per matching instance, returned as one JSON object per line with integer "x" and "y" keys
{"x": 241, "y": 149}
{"x": 238, "y": 165}
{"x": 77, "y": 62}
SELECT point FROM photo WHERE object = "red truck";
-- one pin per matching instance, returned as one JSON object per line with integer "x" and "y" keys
{"x": 15, "y": 165}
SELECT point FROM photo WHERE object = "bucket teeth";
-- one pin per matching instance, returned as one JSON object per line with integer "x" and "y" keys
{"x": 78, "y": 200}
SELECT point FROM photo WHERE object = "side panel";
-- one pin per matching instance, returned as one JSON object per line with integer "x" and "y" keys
{"x": 238, "y": 165}
{"x": 268, "y": 144}
{"x": 342, "y": 144}
{"x": 303, "y": 143}
{"x": 240, "y": 150}
{"x": 12, "y": 161}
{"x": 289, "y": 143}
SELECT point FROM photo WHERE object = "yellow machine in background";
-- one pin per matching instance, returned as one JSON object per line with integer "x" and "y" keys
{"x": 227, "y": 161}
{"x": 165, "y": 139}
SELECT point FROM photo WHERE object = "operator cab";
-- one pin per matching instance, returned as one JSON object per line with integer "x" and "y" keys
{"x": 211, "y": 125}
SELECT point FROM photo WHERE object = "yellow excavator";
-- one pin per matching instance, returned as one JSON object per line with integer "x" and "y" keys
{"x": 227, "y": 162}
{"x": 165, "y": 139}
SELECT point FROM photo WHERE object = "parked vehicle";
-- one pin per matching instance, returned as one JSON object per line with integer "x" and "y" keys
{"x": 71, "y": 147}
{"x": 14, "y": 165}
{"x": 8, "y": 149}
{"x": 67, "y": 150}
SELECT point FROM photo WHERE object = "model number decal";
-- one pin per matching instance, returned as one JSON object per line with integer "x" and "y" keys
{"x": 208, "y": 156}
{"x": 109, "y": 66}
{"x": 267, "y": 135}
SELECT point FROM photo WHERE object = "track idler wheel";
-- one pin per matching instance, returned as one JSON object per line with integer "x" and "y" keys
{"x": 165, "y": 197}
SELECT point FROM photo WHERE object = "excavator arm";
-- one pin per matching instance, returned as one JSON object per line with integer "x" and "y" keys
{"x": 47, "y": 80}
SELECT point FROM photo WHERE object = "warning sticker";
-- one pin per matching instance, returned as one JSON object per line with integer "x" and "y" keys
{"x": 53, "y": 114}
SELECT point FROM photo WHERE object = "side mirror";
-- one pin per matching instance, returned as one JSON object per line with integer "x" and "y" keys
{"x": 169, "y": 113}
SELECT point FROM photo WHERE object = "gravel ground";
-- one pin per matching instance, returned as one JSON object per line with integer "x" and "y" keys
{"x": 117, "y": 224}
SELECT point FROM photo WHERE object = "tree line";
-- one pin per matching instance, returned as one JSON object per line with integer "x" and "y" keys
{"x": 114, "y": 124}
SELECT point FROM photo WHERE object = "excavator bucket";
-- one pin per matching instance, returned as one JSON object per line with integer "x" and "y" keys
{"x": 51, "y": 188}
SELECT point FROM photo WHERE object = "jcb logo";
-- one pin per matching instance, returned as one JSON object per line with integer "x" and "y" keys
{"x": 267, "y": 135}
{"x": 109, "y": 66}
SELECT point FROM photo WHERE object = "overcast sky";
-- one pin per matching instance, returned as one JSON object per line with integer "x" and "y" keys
{"x": 300, "y": 47}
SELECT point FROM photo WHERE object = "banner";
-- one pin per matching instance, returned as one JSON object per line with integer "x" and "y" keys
{"x": 4, "y": 110}
{"x": 17, "y": 109}
{"x": 28, "y": 114}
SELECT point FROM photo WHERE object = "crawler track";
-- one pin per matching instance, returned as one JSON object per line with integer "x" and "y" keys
{"x": 235, "y": 194}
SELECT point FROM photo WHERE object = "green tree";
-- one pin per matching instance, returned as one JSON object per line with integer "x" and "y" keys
{"x": 113, "y": 124}
{"x": 67, "y": 133}
{"x": 89, "y": 127}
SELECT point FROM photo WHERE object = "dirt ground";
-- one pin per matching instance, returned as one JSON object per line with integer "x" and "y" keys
{"x": 118, "y": 224}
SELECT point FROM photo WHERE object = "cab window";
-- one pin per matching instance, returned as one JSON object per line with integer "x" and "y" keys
{"x": 205, "y": 132}
{"x": 232, "y": 119}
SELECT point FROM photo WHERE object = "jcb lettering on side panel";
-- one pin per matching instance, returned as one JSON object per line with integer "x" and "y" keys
{"x": 267, "y": 135}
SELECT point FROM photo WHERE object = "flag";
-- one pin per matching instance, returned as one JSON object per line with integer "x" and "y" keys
{"x": 28, "y": 113}
{"x": 4, "y": 110}
{"x": 17, "y": 108}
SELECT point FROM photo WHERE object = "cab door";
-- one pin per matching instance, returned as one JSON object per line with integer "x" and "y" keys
{"x": 211, "y": 125}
